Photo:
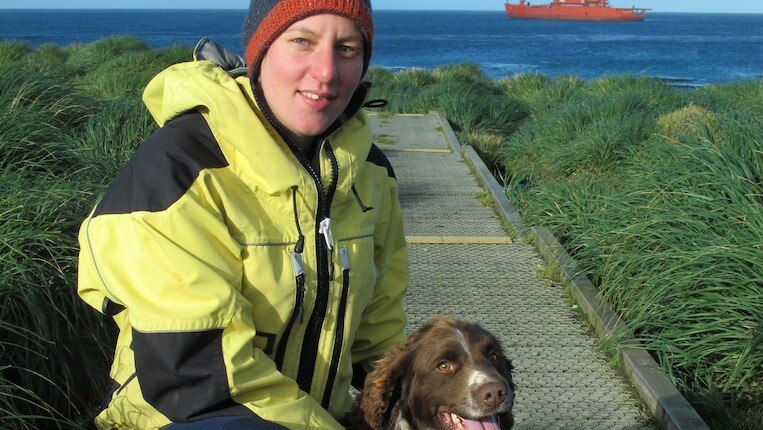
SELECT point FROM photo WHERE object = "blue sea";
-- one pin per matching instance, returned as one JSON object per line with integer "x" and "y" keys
{"x": 686, "y": 49}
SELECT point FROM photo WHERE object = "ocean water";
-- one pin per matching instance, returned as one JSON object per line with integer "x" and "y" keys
{"x": 686, "y": 49}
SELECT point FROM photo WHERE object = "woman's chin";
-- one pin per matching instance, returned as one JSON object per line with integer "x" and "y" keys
{"x": 309, "y": 128}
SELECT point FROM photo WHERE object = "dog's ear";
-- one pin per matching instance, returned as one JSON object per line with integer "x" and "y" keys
{"x": 506, "y": 420}
{"x": 509, "y": 373}
{"x": 384, "y": 386}
{"x": 505, "y": 368}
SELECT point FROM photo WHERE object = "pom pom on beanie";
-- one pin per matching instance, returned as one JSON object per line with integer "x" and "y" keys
{"x": 267, "y": 19}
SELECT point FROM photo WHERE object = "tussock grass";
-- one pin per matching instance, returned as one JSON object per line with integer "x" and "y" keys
{"x": 43, "y": 59}
{"x": 525, "y": 87}
{"x": 746, "y": 96}
{"x": 130, "y": 72}
{"x": 50, "y": 339}
{"x": 691, "y": 119}
{"x": 11, "y": 50}
{"x": 110, "y": 137}
{"x": 471, "y": 102}
{"x": 85, "y": 58}
{"x": 46, "y": 56}
{"x": 415, "y": 78}
{"x": 549, "y": 95}
{"x": 577, "y": 128}
{"x": 487, "y": 145}
{"x": 62, "y": 142}
{"x": 33, "y": 110}
{"x": 465, "y": 73}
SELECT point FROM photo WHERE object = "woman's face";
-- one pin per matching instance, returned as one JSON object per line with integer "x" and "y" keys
{"x": 310, "y": 72}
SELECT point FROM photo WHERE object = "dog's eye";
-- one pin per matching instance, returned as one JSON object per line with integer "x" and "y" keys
{"x": 444, "y": 366}
{"x": 493, "y": 357}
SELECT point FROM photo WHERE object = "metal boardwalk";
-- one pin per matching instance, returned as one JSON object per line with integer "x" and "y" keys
{"x": 463, "y": 263}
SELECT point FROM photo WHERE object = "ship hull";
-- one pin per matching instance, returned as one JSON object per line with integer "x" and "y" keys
{"x": 573, "y": 13}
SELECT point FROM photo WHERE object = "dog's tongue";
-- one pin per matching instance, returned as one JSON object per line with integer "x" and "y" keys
{"x": 487, "y": 423}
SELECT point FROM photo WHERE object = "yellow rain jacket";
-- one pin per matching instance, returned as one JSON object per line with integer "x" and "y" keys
{"x": 240, "y": 281}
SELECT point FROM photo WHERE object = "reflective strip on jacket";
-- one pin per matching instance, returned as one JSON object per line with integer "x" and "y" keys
{"x": 195, "y": 250}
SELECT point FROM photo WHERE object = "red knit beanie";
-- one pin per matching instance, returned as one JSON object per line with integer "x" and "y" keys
{"x": 267, "y": 19}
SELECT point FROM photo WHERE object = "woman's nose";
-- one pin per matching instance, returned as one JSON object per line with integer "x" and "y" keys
{"x": 324, "y": 67}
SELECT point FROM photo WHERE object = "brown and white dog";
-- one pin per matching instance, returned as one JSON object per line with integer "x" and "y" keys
{"x": 449, "y": 375}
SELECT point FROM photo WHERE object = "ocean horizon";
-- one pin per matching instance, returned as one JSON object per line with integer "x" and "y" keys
{"x": 684, "y": 49}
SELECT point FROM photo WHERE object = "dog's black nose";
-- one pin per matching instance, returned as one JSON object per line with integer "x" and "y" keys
{"x": 492, "y": 394}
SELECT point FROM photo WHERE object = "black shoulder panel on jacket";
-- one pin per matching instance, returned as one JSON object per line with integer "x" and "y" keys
{"x": 163, "y": 167}
{"x": 377, "y": 157}
{"x": 182, "y": 374}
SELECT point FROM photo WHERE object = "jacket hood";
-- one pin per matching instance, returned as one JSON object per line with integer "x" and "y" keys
{"x": 246, "y": 138}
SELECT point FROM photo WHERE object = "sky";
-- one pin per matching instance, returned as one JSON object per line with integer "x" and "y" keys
{"x": 703, "y": 6}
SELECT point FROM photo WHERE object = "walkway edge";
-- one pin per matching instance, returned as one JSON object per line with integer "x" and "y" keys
{"x": 666, "y": 404}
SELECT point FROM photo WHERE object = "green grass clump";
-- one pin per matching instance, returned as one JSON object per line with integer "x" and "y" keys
{"x": 85, "y": 58}
{"x": 110, "y": 137}
{"x": 466, "y": 73}
{"x": 44, "y": 59}
{"x": 687, "y": 120}
{"x": 49, "y": 339}
{"x": 415, "y": 78}
{"x": 746, "y": 96}
{"x": 487, "y": 145}
{"x": 575, "y": 129}
{"x": 525, "y": 87}
{"x": 34, "y": 107}
{"x": 11, "y": 50}
{"x": 471, "y": 102}
{"x": 541, "y": 95}
{"x": 130, "y": 72}
{"x": 72, "y": 117}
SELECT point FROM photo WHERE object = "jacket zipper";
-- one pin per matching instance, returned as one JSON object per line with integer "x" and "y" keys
{"x": 344, "y": 258}
{"x": 311, "y": 340}
{"x": 312, "y": 337}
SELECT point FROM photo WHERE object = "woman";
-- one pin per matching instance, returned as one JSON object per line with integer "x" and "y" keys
{"x": 252, "y": 252}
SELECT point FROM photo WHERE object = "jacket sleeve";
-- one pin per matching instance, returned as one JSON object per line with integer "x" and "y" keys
{"x": 383, "y": 323}
{"x": 178, "y": 273}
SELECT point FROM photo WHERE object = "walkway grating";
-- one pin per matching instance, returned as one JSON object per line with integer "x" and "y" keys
{"x": 458, "y": 239}
{"x": 463, "y": 263}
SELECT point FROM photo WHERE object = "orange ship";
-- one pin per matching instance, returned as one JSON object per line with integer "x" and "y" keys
{"x": 574, "y": 10}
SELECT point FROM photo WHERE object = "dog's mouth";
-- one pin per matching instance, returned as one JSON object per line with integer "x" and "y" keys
{"x": 454, "y": 422}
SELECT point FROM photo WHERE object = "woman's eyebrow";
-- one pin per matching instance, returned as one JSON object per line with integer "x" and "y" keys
{"x": 352, "y": 37}
{"x": 309, "y": 32}
{"x": 302, "y": 30}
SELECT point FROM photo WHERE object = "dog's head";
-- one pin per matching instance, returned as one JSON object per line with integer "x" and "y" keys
{"x": 450, "y": 373}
